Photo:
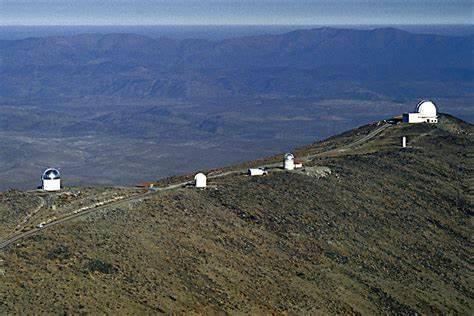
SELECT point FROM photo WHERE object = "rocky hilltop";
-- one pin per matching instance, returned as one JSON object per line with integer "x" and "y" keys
{"x": 365, "y": 227}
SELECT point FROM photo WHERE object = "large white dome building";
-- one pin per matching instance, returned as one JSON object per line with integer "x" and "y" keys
{"x": 51, "y": 180}
{"x": 426, "y": 108}
{"x": 425, "y": 112}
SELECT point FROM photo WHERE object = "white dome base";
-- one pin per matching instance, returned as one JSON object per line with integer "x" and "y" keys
{"x": 52, "y": 185}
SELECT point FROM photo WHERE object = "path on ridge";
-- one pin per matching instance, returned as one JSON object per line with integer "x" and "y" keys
{"x": 18, "y": 236}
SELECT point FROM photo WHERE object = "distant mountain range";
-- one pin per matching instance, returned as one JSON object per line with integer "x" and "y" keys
{"x": 296, "y": 63}
{"x": 93, "y": 103}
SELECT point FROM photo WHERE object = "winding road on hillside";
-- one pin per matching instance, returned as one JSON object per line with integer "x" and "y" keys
{"x": 41, "y": 204}
{"x": 18, "y": 236}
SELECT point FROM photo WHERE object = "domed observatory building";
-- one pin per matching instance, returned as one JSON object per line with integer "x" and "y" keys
{"x": 289, "y": 162}
{"x": 200, "y": 180}
{"x": 51, "y": 180}
{"x": 425, "y": 112}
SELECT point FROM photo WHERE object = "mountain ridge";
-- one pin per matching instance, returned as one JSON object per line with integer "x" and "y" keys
{"x": 244, "y": 96}
{"x": 243, "y": 66}
{"x": 359, "y": 230}
{"x": 379, "y": 38}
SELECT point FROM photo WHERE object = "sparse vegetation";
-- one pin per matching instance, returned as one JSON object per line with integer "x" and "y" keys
{"x": 97, "y": 265}
{"x": 387, "y": 232}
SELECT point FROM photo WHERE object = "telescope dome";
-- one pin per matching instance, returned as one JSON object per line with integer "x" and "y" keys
{"x": 426, "y": 108}
{"x": 200, "y": 180}
{"x": 51, "y": 174}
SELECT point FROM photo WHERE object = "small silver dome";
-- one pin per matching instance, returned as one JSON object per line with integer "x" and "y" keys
{"x": 51, "y": 174}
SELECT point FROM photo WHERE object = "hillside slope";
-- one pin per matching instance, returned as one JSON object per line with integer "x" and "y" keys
{"x": 387, "y": 230}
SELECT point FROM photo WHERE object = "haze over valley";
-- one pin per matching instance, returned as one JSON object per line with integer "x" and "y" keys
{"x": 119, "y": 109}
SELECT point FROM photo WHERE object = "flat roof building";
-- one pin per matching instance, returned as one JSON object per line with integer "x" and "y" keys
{"x": 425, "y": 112}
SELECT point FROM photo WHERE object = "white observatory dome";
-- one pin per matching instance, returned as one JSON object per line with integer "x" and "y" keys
{"x": 426, "y": 108}
{"x": 200, "y": 180}
{"x": 51, "y": 180}
{"x": 289, "y": 162}
{"x": 51, "y": 174}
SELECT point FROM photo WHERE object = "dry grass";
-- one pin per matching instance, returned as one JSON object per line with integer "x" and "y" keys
{"x": 387, "y": 232}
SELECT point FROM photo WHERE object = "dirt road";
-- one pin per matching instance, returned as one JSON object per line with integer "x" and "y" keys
{"x": 18, "y": 236}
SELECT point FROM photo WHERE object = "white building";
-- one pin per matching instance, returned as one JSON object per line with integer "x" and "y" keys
{"x": 289, "y": 162}
{"x": 200, "y": 180}
{"x": 51, "y": 180}
{"x": 425, "y": 112}
{"x": 257, "y": 172}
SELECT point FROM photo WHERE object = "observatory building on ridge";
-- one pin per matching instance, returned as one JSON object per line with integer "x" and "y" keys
{"x": 289, "y": 161}
{"x": 425, "y": 112}
{"x": 51, "y": 180}
{"x": 200, "y": 180}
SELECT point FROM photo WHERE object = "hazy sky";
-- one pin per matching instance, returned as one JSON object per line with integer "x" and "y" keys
{"x": 158, "y": 12}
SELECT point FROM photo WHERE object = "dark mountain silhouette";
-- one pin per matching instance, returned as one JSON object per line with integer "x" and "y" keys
{"x": 306, "y": 48}
{"x": 296, "y": 63}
